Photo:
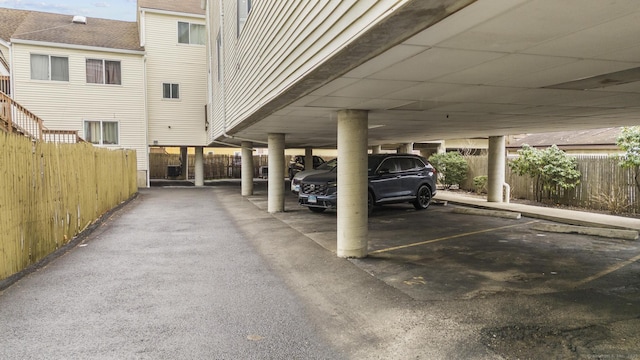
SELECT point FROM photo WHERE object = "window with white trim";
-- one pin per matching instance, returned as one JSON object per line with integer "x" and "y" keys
{"x": 49, "y": 67}
{"x": 170, "y": 91}
{"x": 189, "y": 33}
{"x": 244, "y": 8}
{"x": 101, "y": 132}
{"x": 103, "y": 72}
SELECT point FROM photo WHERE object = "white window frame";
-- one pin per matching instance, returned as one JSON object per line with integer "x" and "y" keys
{"x": 171, "y": 91}
{"x": 101, "y": 141}
{"x": 49, "y": 69}
{"x": 104, "y": 71}
{"x": 191, "y": 40}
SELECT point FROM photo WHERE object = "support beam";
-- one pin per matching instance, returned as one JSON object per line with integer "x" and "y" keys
{"x": 376, "y": 149}
{"x": 275, "y": 202}
{"x": 352, "y": 184}
{"x": 247, "y": 168}
{"x": 199, "y": 168}
{"x": 406, "y": 148}
{"x": 184, "y": 161}
{"x": 308, "y": 158}
{"x": 496, "y": 169}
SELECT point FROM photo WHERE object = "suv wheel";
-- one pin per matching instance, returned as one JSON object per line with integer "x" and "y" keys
{"x": 370, "y": 203}
{"x": 423, "y": 198}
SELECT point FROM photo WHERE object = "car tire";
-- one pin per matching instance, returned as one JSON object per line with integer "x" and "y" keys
{"x": 370, "y": 203}
{"x": 423, "y": 198}
{"x": 317, "y": 209}
{"x": 291, "y": 174}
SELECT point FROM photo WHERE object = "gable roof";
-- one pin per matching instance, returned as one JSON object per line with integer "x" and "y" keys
{"x": 58, "y": 28}
{"x": 183, "y": 6}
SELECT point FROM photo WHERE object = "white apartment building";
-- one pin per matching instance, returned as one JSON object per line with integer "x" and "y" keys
{"x": 119, "y": 84}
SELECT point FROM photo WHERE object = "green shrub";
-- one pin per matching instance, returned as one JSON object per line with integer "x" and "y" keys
{"x": 451, "y": 166}
{"x": 480, "y": 183}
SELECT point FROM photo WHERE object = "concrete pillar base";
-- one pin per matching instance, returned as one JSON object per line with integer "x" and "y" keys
{"x": 353, "y": 227}
{"x": 275, "y": 202}
{"x": 199, "y": 171}
{"x": 496, "y": 169}
{"x": 247, "y": 168}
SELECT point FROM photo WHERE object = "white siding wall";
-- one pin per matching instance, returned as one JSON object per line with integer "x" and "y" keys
{"x": 280, "y": 43}
{"x": 175, "y": 122}
{"x": 65, "y": 105}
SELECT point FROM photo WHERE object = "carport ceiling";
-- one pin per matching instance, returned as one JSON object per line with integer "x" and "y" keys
{"x": 496, "y": 67}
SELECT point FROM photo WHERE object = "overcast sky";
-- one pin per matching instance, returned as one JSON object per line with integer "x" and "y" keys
{"x": 107, "y": 9}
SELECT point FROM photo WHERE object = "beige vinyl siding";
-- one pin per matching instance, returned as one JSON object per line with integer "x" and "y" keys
{"x": 65, "y": 105}
{"x": 280, "y": 43}
{"x": 175, "y": 122}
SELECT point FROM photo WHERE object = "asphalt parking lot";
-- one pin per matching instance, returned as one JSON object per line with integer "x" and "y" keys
{"x": 573, "y": 296}
{"x": 439, "y": 255}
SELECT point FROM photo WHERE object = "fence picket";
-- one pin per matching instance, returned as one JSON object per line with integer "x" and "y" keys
{"x": 50, "y": 192}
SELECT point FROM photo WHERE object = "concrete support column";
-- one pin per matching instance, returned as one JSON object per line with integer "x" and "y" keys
{"x": 247, "y": 168}
{"x": 184, "y": 160}
{"x": 376, "y": 149}
{"x": 199, "y": 176}
{"x": 442, "y": 148}
{"x": 276, "y": 173}
{"x": 496, "y": 169}
{"x": 352, "y": 184}
{"x": 406, "y": 148}
{"x": 308, "y": 158}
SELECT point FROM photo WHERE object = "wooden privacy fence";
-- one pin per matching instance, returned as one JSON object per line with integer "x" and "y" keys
{"x": 51, "y": 192}
{"x": 214, "y": 166}
{"x": 604, "y": 185}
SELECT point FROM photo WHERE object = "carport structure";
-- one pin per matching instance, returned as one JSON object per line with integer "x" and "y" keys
{"x": 360, "y": 74}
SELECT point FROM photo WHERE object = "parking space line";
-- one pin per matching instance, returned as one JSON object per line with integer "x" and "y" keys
{"x": 448, "y": 238}
{"x": 608, "y": 271}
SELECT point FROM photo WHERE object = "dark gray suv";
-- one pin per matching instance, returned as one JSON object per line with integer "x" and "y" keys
{"x": 393, "y": 178}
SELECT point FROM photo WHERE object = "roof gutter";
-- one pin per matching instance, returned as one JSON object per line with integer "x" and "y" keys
{"x": 76, "y": 47}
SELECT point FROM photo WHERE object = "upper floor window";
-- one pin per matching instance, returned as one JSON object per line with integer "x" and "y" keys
{"x": 244, "y": 8}
{"x": 101, "y": 132}
{"x": 49, "y": 67}
{"x": 103, "y": 72}
{"x": 189, "y": 33}
{"x": 170, "y": 91}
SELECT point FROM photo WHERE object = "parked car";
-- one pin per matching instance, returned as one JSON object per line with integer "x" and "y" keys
{"x": 297, "y": 178}
{"x": 297, "y": 164}
{"x": 393, "y": 178}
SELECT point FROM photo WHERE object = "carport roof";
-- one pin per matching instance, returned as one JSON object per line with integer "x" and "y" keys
{"x": 493, "y": 68}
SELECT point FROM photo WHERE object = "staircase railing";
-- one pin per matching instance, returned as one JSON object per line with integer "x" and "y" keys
{"x": 17, "y": 119}
{"x": 5, "y": 84}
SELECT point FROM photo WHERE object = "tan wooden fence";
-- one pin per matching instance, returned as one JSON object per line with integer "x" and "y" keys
{"x": 214, "y": 166}
{"x": 604, "y": 185}
{"x": 51, "y": 192}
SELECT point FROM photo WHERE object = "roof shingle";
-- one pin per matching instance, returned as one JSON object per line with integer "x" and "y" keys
{"x": 59, "y": 29}
{"x": 183, "y": 6}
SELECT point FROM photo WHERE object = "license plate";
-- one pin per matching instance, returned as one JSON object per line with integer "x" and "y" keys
{"x": 312, "y": 199}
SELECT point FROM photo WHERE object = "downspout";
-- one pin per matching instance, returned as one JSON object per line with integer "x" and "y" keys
{"x": 222, "y": 83}
{"x": 144, "y": 80}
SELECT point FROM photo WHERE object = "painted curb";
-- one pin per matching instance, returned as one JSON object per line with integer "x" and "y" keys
{"x": 582, "y": 230}
{"x": 485, "y": 212}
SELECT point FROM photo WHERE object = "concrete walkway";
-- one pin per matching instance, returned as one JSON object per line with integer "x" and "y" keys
{"x": 572, "y": 217}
